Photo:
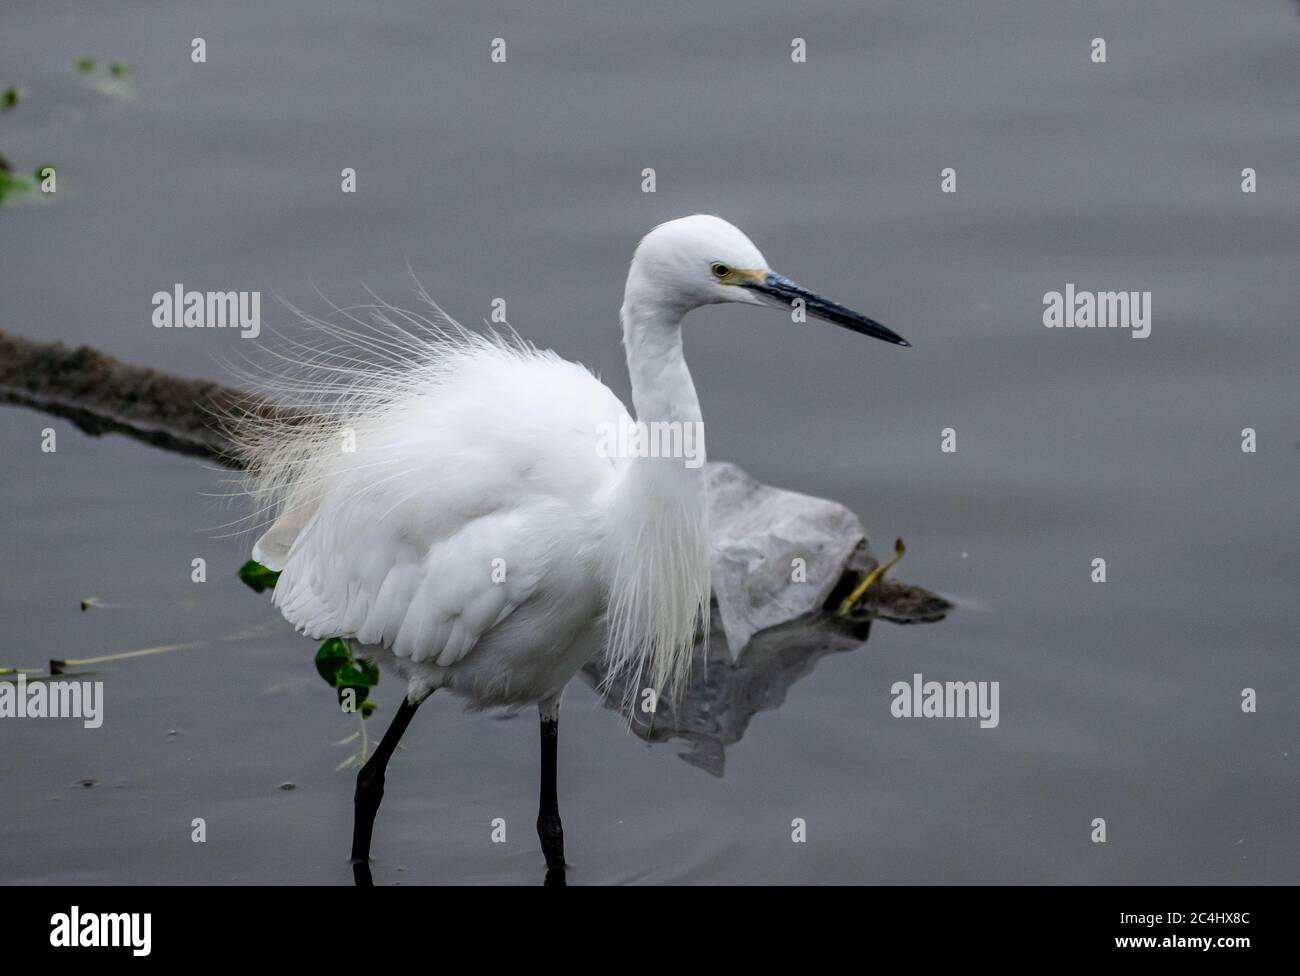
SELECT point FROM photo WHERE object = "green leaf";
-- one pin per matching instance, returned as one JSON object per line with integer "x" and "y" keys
{"x": 330, "y": 657}
{"x": 360, "y": 694}
{"x": 257, "y": 576}
{"x": 360, "y": 675}
{"x": 11, "y": 185}
{"x": 368, "y": 709}
{"x": 8, "y": 98}
{"x": 85, "y": 65}
{"x": 356, "y": 674}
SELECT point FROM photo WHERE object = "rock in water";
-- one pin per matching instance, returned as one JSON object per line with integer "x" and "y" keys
{"x": 776, "y": 555}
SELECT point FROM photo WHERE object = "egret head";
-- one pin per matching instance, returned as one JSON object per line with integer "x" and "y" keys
{"x": 704, "y": 260}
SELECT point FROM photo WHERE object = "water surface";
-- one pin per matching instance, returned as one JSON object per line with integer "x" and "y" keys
{"x": 522, "y": 181}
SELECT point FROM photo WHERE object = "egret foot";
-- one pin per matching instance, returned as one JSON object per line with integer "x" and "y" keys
{"x": 549, "y": 829}
{"x": 551, "y": 833}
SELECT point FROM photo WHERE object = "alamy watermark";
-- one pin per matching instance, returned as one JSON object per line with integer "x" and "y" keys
{"x": 181, "y": 309}
{"x": 1098, "y": 310}
{"x": 630, "y": 438}
{"x": 53, "y": 699}
{"x": 74, "y": 930}
{"x": 946, "y": 699}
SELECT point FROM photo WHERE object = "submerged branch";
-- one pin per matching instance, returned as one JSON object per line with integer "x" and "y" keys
{"x": 101, "y": 395}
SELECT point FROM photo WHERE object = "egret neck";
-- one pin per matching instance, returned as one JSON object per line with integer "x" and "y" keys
{"x": 662, "y": 389}
{"x": 659, "y": 559}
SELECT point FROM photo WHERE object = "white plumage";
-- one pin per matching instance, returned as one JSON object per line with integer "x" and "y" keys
{"x": 452, "y": 504}
{"x": 467, "y": 523}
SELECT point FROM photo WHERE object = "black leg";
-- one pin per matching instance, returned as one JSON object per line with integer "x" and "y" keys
{"x": 370, "y": 791}
{"x": 549, "y": 829}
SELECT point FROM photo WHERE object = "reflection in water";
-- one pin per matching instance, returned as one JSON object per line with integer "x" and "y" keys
{"x": 725, "y": 693}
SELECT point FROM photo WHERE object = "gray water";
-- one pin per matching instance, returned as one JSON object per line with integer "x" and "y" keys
{"x": 523, "y": 181}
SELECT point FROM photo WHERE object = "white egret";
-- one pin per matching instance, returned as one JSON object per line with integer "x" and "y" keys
{"x": 458, "y": 513}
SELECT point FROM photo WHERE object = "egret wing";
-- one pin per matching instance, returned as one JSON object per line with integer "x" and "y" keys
{"x": 453, "y": 508}
{"x": 356, "y": 571}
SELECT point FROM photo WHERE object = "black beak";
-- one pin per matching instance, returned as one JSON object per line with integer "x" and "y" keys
{"x": 782, "y": 291}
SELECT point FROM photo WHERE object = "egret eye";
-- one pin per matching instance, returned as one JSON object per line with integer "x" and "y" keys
{"x": 720, "y": 269}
